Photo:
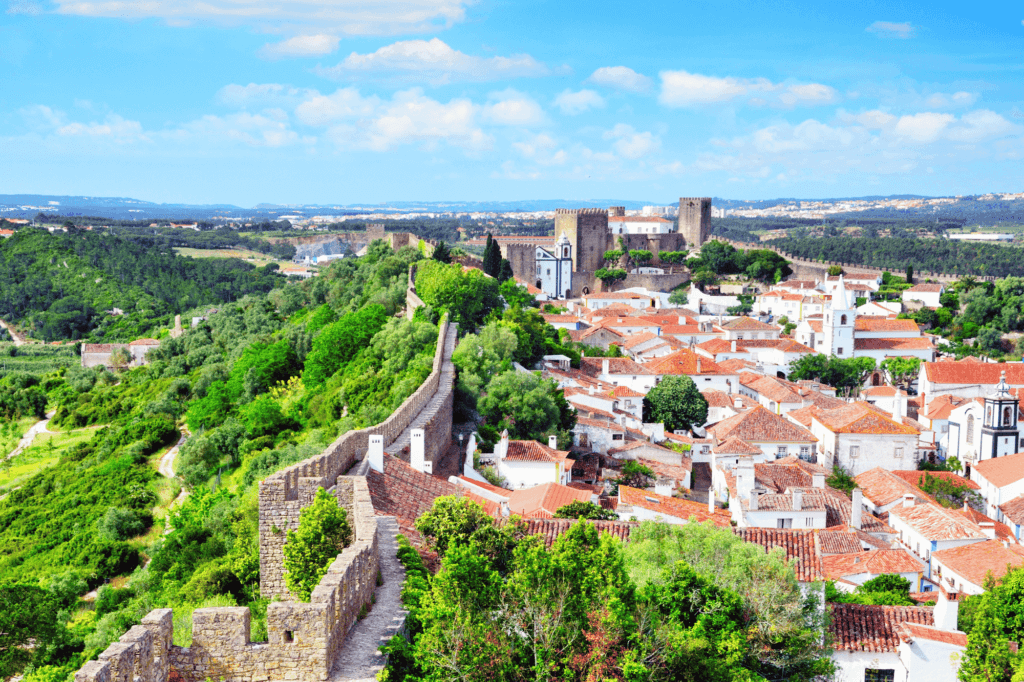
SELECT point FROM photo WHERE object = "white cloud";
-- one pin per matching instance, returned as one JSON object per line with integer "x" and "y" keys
{"x": 889, "y": 29}
{"x": 979, "y": 125}
{"x": 541, "y": 149}
{"x": 254, "y": 130}
{"x": 572, "y": 103}
{"x": 684, "y": 89}
{"x": 811, "y": 93}
{"x": 24, "y": 7}
{"x": 346, "y": 103}
{"x": 410, "y": 118}
{"x": 941, "y": 100}
{"x": 260, "y": 95}
{"x": 435, "y": 61}
{"x": 512, "y": 108}
{"x": 631, "y": 144}
{"x": 924, "y": 127}
{"x": 621, "y": 78}
{"x": 113, "y": 128}
{"x": 347, "y": 17}
{"x": 301, "y": 46}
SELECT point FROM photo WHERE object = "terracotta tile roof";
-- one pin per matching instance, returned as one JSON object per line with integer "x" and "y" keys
{"x": 594, "y": 367}
{"x": 735, "y": 446}
{"x": 405, "y": 493}
{"x": 560, "y": 318}
{"x": 1014, "y": 510}
{"x": 973, "y": 562}
{"x": 1003, "y": 531}
{"x": 874, "y": 629}
{"x": 736, "y": 365}
{"x": 860, "y": 418}
{"x": 671, "y": 506}
{"x": 815, "y": 325}
{"x": 748, "y": 324}
{"x": 761, "y": 426}
{"x": 1002, "y": 471}
{"x": 941, "y": 406}
{"x": 551, "y": 529}
{"x": 926, "y": 288}
{"x": 102, "y": 347}
{"x": 883, "y": 487}
{"x": 484, "y": 485}
{"x": 875, "y": 562}
{"x": 542, "y": 501}
{"x": 915, "y": 343}
{"x": 797, "y": 545}
{"x": 883, "y": 391}
{"x": 532, "y": 451}
{"x": 839, "y": 512}
{"x": 970, "y": 371}
{"x": 662, "y": 470}
{"x": 601, "y": 329}
{"x": 799, "y": 284}
{"x": 772, "y": 388}
{"x": 625, "y": 392}
{"x": 623, "y": 295}
{"x": 637, "y": 339}
{"x": 684, "y": 362}
{"x": 937, "y": 523}
{"x": 599, "y": 423}
{"x": 841, "y": 540}
{"x": 810, "y": 501}
{"x": 144, "y": 342}
{"x": 716, "y": 398}
{"x": 914, "y": 478}
{"x": 491, "y": 508}
{"x": 911, "y": 631}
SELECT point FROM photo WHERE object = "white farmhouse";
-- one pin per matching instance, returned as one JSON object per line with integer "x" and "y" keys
{"x": 929, "y": 294}
{"x": 526, "y": 463}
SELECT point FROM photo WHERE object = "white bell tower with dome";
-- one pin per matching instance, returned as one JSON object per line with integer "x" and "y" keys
{"x": 1000, "y": 429}
{"x": 838, "y": 325}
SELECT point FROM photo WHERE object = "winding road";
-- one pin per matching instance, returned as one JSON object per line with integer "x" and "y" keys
{"x": 30, "y": 435}
{"x": 18, "y": 339}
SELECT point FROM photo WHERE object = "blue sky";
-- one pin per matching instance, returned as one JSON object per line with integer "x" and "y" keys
{"x": 322, "y": 101}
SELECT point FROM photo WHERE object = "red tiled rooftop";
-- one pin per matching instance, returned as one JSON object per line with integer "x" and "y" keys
{"x": 684, "y": 362}
{"x": 937, "y": 523}
{"x": 532, "y": 451}
{"x": 797, "y": 545}
{"x": 897, "y": 344}
{"x": 552, "y": 529}
{"x": 911, "y": 631}
{"x": 761, "y": 426}
{"x": 1002, "y": 471}
{"x": 975, "y": 561}
{"x": 970, "y": 371}
{"x": 874, "y": 562}
{"x": 882, "y": 324}
{"x": 542, "y": 501}
{"x": 872, "y": 629}
{"x": 672, "y": 507}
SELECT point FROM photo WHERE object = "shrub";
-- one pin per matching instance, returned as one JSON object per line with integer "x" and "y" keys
{"x": 120, "y": 524}
{"x": 323, "y": 532}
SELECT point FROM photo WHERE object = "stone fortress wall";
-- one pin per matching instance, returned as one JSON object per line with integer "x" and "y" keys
{"x": 304, "y": 639}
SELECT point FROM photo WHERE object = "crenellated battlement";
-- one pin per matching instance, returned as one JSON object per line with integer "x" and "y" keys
{"x": 581, "y": 211}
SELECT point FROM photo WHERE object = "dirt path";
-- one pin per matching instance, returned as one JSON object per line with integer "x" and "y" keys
{"x": 167, "y": 461}
{"x": 30, "y": 435}
{"x": 18, "y": 339}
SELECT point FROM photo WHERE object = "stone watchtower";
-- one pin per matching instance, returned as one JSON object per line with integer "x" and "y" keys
{"x": 587, "y": 232}
{"x": 695, "y": 220}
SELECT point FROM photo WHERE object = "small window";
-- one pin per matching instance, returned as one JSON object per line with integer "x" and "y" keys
{"x": 805, "y": 450}
{"x": 783, "y": 451}
{"x": 616, "y": 436}
{"x": 808, "y": 522}
{"x": 899, "y": 453}
{"x": 289, "y": 636}
{"x": 842, "y": 320}
{"x": 854, "y": 451}
{"x": 840, "y": 352}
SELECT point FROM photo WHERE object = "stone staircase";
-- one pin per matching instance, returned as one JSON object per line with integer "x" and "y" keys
{"x": 400, "y": 447}
{"x": 360, "y": 658}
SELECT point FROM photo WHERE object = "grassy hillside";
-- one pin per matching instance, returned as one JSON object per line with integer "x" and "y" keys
{"x": 59, "y": 286}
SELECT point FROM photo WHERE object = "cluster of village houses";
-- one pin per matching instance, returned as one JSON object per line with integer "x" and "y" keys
{"x": 760, "y": 463}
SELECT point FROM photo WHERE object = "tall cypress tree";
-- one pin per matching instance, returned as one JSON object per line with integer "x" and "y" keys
{"x": 504, "y": 271}
{"x": 492, "y": 257}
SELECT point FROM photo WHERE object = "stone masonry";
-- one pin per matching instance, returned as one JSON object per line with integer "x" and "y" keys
{"x": 305, "y": 640}
{"x": 695, "y": 220}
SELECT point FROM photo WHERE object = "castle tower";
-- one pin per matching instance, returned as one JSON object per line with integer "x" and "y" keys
{"x": 695, "y": 220}
{"x": 1000, "y": 432}
{"x": 839, "y": 322}
{"x": 587, "y": 232}
{"x": 616, "y": 211}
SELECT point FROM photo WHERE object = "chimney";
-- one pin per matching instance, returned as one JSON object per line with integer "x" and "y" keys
{"x": 376, "y": 453}
{"x": 592, "y": 389}
{"x": 698, "y": 365}
{"x": 470, "y": 449}
{"x": 733, "y": 349}
{"x": 681, "y": 320}
{"x": 744, "y": 476}
{"x": 711, "y": 500}
{"x": 989, "y": 529}
{"x": 604, "y": 366}
{"x": 417, "y": 452}
{"x": 818, "y": 481}
{"x": 798, "y": 499}
{"x": 908, "y": 500}
{"x": 753, "y": 499}
{"x": 501, "y": 449}
{"x": 553, "y": 442}
{"x": 857, "y": 510}
{"x": 946, "y": 610}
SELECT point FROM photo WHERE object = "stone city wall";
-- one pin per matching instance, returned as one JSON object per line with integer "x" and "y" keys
{"x": 283, "y": 494}
{"x": 303, "y": 639}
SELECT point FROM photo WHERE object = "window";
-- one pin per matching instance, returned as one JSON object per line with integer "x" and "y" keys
{"x": 854, "y": 451}
{"x": 808, "y": 522}
{"x": 783, "y": 451}
{"x": 842, "y": 320}
{"x": 1007, "y": 416}
{"x": 899, "y": 453}
{"x": 289, "y": 636}
{"x": 839, "y": 352}
{"x": 616, "y": 436}
{"x": 805, "y": 451}
{"x": 988, "y": 415}
{"x": 784, "y": 523}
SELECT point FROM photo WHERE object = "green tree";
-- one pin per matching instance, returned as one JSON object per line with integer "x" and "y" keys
{"x": 585, "y": 510}
{"x": 677, "y": 403}
{"x": 987, "y": 657}
{"x": 902, "y": 370}
{"x": 339, "y": 342}
{"x": 323, "y": 532}
{"x": 492, "y": 257}
{"x": 442, "y": 253}
{"x": 452, "y": 521}
{"x": 525, "y": 404}
{"x": 835, "y": 270}
{"x": 841, "y": 479}
{"x": 504, "y": 271}
{"x": 634, "y": 475}
{"x": 910, "y": 274}
{"x": 28, "y": 621}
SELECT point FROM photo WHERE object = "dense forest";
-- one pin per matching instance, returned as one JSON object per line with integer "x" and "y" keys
{"x": 933, "y": 255}
{"x": 213, "y": 238}
{"x": 62, "y": 285}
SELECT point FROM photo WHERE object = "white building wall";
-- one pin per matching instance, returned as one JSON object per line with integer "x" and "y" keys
{"x": 528, "y": 474}
{"x": 850, "y": 665}
{"x": 931, "y": 661}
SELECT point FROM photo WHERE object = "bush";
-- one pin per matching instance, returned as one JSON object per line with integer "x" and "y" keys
{"x": 120, "y": 524}
{"x": 323, "y": 532}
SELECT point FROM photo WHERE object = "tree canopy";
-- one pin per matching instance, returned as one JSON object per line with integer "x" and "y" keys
{"x": 677, "y": 403}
